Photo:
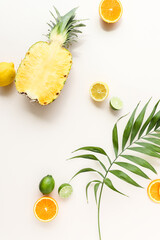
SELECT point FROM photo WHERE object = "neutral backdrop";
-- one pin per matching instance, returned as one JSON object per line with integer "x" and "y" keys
{"x": 36, "y": 141}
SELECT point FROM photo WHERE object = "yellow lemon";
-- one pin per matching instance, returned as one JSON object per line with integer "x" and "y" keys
{"x": 7, "y": 73}
{"x": 99, "y": 91}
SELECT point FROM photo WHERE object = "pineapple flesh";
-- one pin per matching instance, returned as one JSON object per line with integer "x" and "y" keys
{"x": 45, "y": 68}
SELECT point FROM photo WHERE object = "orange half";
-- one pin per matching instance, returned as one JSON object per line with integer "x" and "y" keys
{"x": 154, "y": 191}
{"x": 110, "y": 10}
{"x": 45, "y": 209}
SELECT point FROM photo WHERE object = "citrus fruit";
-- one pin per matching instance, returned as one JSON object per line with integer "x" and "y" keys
{"x": 154, "y": 191}
{"x": 45, "y": 209}
{"x": 65, "y": 190}
{"x": 47, "y": 184}
{"x": 7, "y": 73}
{"x": 116, "y": 103}
{"x": 110, "y": 10}
{"x": 99, "y": 91}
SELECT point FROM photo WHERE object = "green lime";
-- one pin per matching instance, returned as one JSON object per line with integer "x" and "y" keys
{"x": 116, "y": 103}
{"x": 47, "y": 184}
{"x": 65, "y": 190}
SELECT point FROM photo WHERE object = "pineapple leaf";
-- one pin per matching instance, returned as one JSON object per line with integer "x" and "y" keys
{"x": 138, "y": 122}
{"x": 53, "y": 17}
{"x": 57, "y": 12}
{"x": 66, "y": 26}
{"x": 139, "y": 161}
{"x": 132, "y": 168}
{"x": 66, "y": 18}
{"x": 109, "y": 184}
{"x": 123, "y": 176}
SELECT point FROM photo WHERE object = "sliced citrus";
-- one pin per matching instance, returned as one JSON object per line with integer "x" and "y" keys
{"x": 99, "y": 91}
{"x": 154, "y": 191}
{"x": 110, "y": 10}
{"x": 65, "y": 190}
{"x": 45, "y": 209}
{"x": 116, "y": 103}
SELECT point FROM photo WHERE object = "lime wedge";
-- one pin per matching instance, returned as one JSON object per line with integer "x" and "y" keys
{"x": 116, "y": 103}
{"x": 65, "y": 190}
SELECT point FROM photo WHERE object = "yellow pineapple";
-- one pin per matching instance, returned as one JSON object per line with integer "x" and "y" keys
{"x": 45, "y": 68}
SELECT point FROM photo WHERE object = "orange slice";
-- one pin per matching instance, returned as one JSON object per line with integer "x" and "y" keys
{"x": 45, "y": 209}
{"x": 154, "y": 191}
{"x": 110, "y": 10}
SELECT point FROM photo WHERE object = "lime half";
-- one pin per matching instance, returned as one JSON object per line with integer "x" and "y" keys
{"x": 65, "y": 190}
{"x": 116, "y": 103}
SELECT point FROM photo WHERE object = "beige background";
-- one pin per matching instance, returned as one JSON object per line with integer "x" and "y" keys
{"x": 36, "y": 141}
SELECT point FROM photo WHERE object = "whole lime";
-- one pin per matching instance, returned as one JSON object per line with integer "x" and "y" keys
{"x": 47, "y": 184}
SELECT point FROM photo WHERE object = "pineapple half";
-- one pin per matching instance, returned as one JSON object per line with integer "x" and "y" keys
{"x": 45, "y": 68}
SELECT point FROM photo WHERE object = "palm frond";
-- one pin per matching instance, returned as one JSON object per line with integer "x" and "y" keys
{"x": 139, "y": 138}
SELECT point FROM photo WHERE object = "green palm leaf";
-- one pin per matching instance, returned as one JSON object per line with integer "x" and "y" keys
{"x": 132, "y": 168}
{"x": 154, "y": 121}
{"x": 139, "y": 161}
{"x": 153, "y": 140}
{"x": 145, "y": 151}
{"x": 109, "y": 184}
{"x": 96, "y": 186}
{"x": 92, "y": 149}
{"x": 150, "y": 146}
{"x": 94, "y": 181}
{"x": 138, "y": 122}
{"x": 115, "y": 139}
{"x": 86, "y": 156}
{"x": 115, "y": 136}
{"x": 157, "y": 125}
{"x": 148, "y": 120}
{"x": 90, "y": 157}
{"x": 155, "y": 135}
{"x": 84, "y": 170}
{"x": 128, "y": 128}
{"x": 123, "y": 176}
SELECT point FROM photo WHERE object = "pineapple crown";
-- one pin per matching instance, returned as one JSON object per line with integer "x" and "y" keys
{"x": 64, "y": 28}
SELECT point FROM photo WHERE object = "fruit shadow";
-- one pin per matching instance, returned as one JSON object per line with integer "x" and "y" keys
{"x": 7, "y": 90}
{"x": 75, "y": 46}
{"x": 116, "y": 113}
{"x": 110, "y": 26}
{"x": 47, "y": 112}
{"x": 101, "y": 105}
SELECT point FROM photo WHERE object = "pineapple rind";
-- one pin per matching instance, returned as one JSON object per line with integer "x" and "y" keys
{"x": 43, "y": 71}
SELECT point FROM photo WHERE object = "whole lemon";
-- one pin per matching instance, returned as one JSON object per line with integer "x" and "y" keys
{"x": 7, "y": 73}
